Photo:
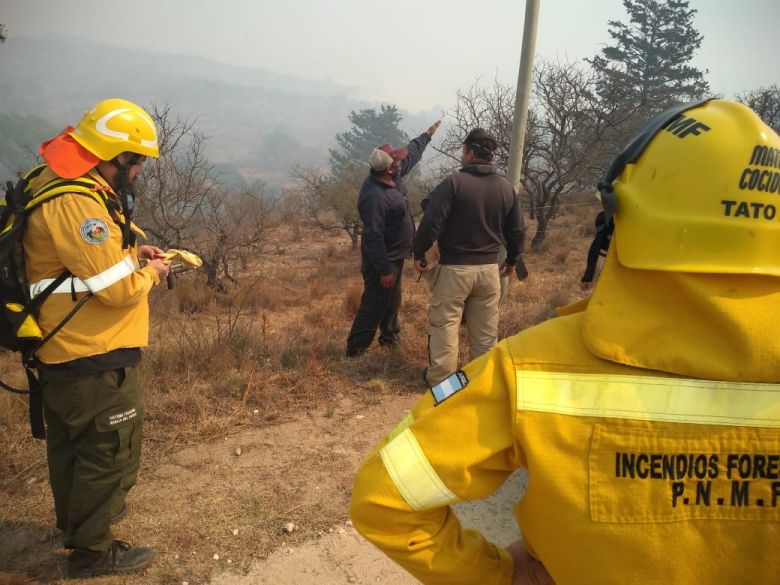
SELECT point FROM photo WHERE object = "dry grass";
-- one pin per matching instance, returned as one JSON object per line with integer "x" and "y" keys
{"x": 270, "y": 348}
{"x": 318, "y": 290}
{"x": 193, "y": 296}
{"x": 351, "y": 301}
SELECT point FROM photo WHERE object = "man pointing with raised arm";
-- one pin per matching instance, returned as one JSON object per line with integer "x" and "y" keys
{"x": 388, "y": 231}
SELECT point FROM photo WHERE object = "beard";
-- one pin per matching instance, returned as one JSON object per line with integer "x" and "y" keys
{"x": 128, "y": 188}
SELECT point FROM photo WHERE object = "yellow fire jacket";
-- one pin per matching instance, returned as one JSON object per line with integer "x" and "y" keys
{"x": 76, "y": 232}
{"x": 650, "y": 427}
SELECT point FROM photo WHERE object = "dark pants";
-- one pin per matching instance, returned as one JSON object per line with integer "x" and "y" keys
{"x": 378, "y": 309}
{"x": 93, "y": 445}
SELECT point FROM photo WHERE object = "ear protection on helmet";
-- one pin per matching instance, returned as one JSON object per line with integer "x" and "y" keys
{"x": 698, "y": 190}
{"x": 634, "y": 150}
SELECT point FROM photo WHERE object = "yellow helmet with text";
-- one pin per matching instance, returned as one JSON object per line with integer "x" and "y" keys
{"x": 114, "y": 126}
{"x": 698, "y": 190}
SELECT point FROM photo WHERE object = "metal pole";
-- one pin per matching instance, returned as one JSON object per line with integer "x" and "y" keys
{"x": 523, "y": 92}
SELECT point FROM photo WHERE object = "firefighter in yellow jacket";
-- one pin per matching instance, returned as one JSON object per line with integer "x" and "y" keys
{"x": 88, "y": 368}
{"x": 648, "y": 418}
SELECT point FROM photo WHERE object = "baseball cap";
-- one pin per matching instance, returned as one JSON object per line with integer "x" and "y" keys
{"x": 481, "y": 140}
{"x": 383, "y": 156}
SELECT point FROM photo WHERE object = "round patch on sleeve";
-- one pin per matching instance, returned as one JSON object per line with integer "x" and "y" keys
{"x": 94, "y": 231}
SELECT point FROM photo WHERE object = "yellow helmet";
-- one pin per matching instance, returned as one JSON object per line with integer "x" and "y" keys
{"x": 114, "y": 126}
{"x": 698, "y": 190}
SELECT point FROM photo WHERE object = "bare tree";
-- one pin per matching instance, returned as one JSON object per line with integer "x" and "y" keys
{"x": 330, "y": 202}
{"x": 563, "y": 149}
{"x": 3, "y": 33}
{"x": 183, "y": 205}
{"x": 765, "y": 101}
{"x": 567, "y": 150}
{"x": 490, "y": 108}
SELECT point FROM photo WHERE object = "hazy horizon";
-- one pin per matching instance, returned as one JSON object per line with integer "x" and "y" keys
{"x": 413, "y": 54}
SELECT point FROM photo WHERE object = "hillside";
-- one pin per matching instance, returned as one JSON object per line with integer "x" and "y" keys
{"x": 20, "y": 137}
{"x": 260, "y": 121}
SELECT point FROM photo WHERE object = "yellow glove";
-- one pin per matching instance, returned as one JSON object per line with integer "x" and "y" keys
{"x": 189, "y": 260}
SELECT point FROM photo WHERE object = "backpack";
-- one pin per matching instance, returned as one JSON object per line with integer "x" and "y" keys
{"x": 19, "y": 330}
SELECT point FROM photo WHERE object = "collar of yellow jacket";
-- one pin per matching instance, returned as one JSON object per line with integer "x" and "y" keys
{"x": 96, "y": 176}
{"x": 48, "y": 175}
{"x": 713, "y": 326}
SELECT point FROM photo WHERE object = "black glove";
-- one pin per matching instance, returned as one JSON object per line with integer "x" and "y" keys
{"x": 520, "y": 269}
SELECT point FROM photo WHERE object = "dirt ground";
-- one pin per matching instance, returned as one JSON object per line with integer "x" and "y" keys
{"x": 303, "y": 465}
{"x": 345, "y": 557}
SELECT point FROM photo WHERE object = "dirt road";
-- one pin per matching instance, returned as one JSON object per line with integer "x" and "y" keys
{"x": 343, "y": 556}
{"x": 215, "y": 512}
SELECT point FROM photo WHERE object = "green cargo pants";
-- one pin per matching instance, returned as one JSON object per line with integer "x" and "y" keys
{"x": 93, "y": 444}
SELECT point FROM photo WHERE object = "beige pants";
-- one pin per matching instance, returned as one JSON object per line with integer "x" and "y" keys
{"x": 458, "y": 291}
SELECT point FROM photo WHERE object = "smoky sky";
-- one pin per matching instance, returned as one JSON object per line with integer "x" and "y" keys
{"x": 415, "y": 53}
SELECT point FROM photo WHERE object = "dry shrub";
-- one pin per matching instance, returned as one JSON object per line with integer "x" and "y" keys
{"x": 415, "y": 304}
{"x": 312, "y": 343}
{"x": 272, "y": 295}
{"x": 565, "y": 222}
{"x": 333, "y": 349}
{"x": 197, "y": 372}
{"x": 207, "y": 345}
{"x": 515, "y": 316}
{"x": 559, "y": 253}
{"x": 295, "y": 356}
{"x": 177, "y": 405}
{"x": 13, "y": 408}
{"x": 322, "y": 317}
{"x": 338, "y": 262}
{"x": 587, "y": 231}
{"x": 328, "y": 253}
{"x": 560, "y": 256}
{"x": 14, "y": 413}
{"x": 559, "y": 298}
{"x": 352, "y": 300}
{"x": 16, "y": 579}
{"x": 544, "y": 247}
{"x": 188, "y": 412}
{"x": 318, "y": 290}
{"x": 376, "y": 385}
{"x": 20, "y": 452}
{"x": 193, "y": 296}
{"x": 23, "y": 460}
{"x": 295, "y": 343}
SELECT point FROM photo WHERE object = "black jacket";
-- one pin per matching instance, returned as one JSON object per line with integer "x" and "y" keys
{"x": 388, "y": 225}
{"x": 471, "y": 213}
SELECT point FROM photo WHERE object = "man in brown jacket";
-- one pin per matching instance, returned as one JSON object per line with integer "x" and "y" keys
{"x": 471, "y": 214}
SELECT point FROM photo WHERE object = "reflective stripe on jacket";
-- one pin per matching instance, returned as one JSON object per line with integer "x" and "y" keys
{"x": 77, "y": 233}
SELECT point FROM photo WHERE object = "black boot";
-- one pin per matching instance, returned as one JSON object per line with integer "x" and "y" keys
{"x": 119, "y": 558}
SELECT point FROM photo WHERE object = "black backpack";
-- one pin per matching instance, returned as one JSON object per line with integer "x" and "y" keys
{"x": 19, "y": 331}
